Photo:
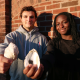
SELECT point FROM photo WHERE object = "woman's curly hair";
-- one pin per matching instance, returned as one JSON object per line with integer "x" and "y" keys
{"x": 73, "y": 27}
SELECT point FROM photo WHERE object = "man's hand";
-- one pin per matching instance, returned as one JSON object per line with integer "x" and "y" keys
{"x": 32, "y": 72}
{"x": 4, "y": 63}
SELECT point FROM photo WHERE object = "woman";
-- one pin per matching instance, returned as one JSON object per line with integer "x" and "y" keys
{"x": 62, "y": 58}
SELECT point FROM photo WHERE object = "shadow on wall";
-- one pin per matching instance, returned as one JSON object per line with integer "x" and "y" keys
{"x": 44, "y": 23}
{"x": 77, "y": 21}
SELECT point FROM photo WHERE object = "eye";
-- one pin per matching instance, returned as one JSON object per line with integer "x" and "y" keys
{"x": 57, "y": 24}
{"x": 25, "y": 16}
{"x": 32, "y": 17}
{"x": 65, "y": 22}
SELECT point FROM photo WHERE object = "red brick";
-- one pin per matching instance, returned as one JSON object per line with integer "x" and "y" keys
{"x": 40, "y": 8}
{"x": 35, "y": 5}
{"x": 41, "y": 0}
{"x": 56, "y": 1}
{"x": 57, "y": 11}
{"x": 72, "y": 9}
{"x": 19, "y": 24}
{"x": 53, "y": 17}
{"x": 46, "y": 12}
{"x": 3, "y": 22}
{"x": 46, "y": 3}
{"x": 35, "y": 24}
{"x": 17, "y": 21}
{"x": 2, "y": 9}
{"x": 78, "y": 8}
{"x": 2, "y": 30}
{"x": 53, "y": 6}
{"x": 72, "y": 3}
{"x": 2, "y": 26}
{"x": 16, "y": 17}
{"x": 12, "y": 21}
{"x": 2, "y": 34}
{"x": 2, "y": 13}
{"x": 1, "y": 41}
{"x": 52, "y": 28}
{"x": 75, "y": 13}
{"x": 49, "y": 34}
{"x": 14, "y": 25}
{"x": 79, "y": 14}
{"x": 2, "y": 2}
{"x": 2, "y": 18}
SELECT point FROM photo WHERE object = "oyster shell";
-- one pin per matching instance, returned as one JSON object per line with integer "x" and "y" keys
{"x": 32, "y": 58}
{"x": 11, "y": 51}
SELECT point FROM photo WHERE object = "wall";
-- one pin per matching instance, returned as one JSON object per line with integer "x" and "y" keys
{"x": 5, "y": 18}
{"x": 46, "y": 11}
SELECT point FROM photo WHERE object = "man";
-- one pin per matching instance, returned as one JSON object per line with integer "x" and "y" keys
{"x": 26, "y": 37}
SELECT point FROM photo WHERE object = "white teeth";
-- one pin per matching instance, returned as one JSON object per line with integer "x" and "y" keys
{"x": 11, "y": 51}
{"x": 32, "y": 58}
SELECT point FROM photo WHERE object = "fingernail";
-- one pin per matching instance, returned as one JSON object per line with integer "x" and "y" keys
{"x": 30, "y": 65}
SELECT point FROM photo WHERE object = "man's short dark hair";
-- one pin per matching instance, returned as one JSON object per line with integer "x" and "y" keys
{"x": 28, "y": 8}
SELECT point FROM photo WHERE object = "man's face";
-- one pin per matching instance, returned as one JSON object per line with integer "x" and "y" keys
{"x": 28, "y": 19}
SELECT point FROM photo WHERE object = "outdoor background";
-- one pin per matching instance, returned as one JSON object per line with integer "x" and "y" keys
{"x": 46, "y": 11}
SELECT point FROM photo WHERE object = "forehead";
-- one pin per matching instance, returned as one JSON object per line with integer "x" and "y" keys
{"x": 61, "y": 17}
{"x": 28, "y": 13}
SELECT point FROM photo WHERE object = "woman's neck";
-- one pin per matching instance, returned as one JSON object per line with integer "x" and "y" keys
{"x": 66, "y": 37}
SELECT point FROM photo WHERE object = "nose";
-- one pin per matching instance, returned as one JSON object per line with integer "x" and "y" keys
{"x": 61, "y": 25}
{"x": 28, "y": 19}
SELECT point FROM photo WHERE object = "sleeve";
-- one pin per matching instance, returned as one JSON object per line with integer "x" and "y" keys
{"x": 8, "y": 38}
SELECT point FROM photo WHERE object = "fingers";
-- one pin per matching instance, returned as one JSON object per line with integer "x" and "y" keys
{"x": 4, "y": 69}
{"x": 6, "y": 60}
{"x": 25, "y": 71}
{"x": 32, "y": 72}
{"x": 4, "y": 64}
{"x": 38, "y": 73}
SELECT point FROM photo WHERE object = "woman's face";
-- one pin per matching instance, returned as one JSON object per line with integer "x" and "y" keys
{"x": 62, "y": 25}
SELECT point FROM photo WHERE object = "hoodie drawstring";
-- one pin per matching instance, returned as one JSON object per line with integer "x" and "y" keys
{"x": 26, "y": 44}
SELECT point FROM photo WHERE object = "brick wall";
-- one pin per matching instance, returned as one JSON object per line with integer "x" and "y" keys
{"x": 46, "y": 11}
{"x": 4, "y": 18}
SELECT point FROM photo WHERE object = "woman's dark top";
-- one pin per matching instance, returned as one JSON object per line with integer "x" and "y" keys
{"x": 62, "y": 60}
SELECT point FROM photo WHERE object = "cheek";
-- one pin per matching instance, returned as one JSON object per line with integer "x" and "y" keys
{"x": 57, "y": 28}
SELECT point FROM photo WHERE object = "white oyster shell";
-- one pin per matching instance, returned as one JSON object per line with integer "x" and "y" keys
{"x": 11, "y": 51}
{"x": 32, "y": 58}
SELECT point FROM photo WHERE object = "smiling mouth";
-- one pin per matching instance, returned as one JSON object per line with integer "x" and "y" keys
{"x": 62, "y": 29}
